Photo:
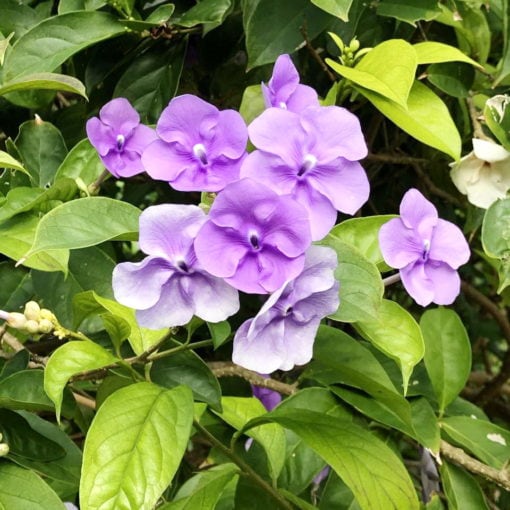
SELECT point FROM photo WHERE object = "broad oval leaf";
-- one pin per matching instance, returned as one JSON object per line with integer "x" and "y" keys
{"x": 85, "y": 222}
{"x": 68, "y": 360}
{"x": 24, "y": 390}
{"x": 45, "y": 81}
{"x": 430, "y": 52}
{"x": 447, "y": 353}
{"x": 134, "y": 447}
{"x": 338, "y": 8}
{"x": 410, "y": 12}
{"x": 397, "y": 334}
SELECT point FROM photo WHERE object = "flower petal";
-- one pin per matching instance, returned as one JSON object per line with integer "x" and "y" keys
{"x": 417, "y": 283}
{"x": 489, "y": 151}
{"x": 139, "y": 140}
{"x": 318, "y": 304}
{"x": 303, "y": 97}
{"x": 445, "y": 281}
{"x": 120, "y": 115}
{"x": 230, "y": 136}
{"x": 399, "y": 245}
{"x": 123, "y": 164}
{"x": 100, "y": 135}
{"x": 449, "y": 245}
{"x": 284, "y": 80}
{"x": 418, "y": 213}
{"x": 165, "y": 161}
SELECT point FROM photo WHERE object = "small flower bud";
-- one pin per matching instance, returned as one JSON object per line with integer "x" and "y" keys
{"x": 32, "y": 326}
{"x": 46, "y": 326}
{"x": 4, "y": 449}
{"x": 354, "y": 45}
{"x": 17, "y": 320}
{"x": 47, "y": 314}
{"x": 32, "y": 311}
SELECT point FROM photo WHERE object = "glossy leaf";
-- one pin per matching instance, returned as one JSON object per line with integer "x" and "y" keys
{"x": 338, "y": 8}
{"x": 16, "y": 288}
{"x": 361, "y": 287}
{"x": 496, "y": 229}
{"x": 410, "y": 12}
{"x": 134, "y": 447}
{"x": 7, "y": 161}
{"x": 447, "y": 353}
{"x": 68, "y": 360}
{"x": 455, "y": 79}
{"x": 397, "y": 335}
{"x": 220, "y": 332}
{"x": 252, "y": 103}
{"x": 207, "y": 11}
{"x": 24, "y": 390}
{"x": 45, "y": 81}
{"x": 432, "y": 52}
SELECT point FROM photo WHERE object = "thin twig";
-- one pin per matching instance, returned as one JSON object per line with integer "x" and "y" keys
{"x": 85, "y": 401}
{"x": 475, "y": 120}
{"x": 389, "y": 280}
{"x": 315, "y": 54}
{"x": 396, "y": 159}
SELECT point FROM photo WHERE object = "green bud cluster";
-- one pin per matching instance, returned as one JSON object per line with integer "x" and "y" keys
{"x": 349, "y": 53}
{"x": 4, "y": 447}
{"x": 34, "y": 319}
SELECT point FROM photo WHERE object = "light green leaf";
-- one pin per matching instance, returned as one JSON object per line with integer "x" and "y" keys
{"x": 134, "y": 447}
{"x": 85, "y": 222}
{"x": 79, "y": 5}
{"x": 45, "y": 81}
{"x": 497, "y": 117}
{"x": 430, "y": 52}
{"x": 361, "y": 287}
{"x": 252, "y": 103}
{"x": 238, "y": 411}
{"x": 50, "y": 43}
{"x": 388, "y": 70}
{"x": 410, "y": 12}
{"x": 206, "y": 11}
{"x": 82, "y": 162}
{"x": 447, "y": 353}
{"x": 496, "y": 229}
{"x": 338, "y": 8}
{"x": 68, "y": 360}
{"x": 23, "y": 489}
{"x": 203, "y": 490}
{"x": 7, "y": 161}
{"x": 396, "y": 334}
{"x": 426, "y": 118}
{"x": 376, "y": 476}
{"x": 220, "y": 332}
{"x": 462, "y": 491}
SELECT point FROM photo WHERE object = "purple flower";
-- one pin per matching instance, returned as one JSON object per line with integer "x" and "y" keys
{"x": 285, "y": 91}
{"x": 314, "y": 158}
{"x": 169, "y": 286}
{"x": 255, "y": 238}
{"x": 269, "y": 398}
{"x": 200, "y": 148}
{"x": 427, "y": 250}
{"x": 283, "y": 332}
{"x": 119, "y": 138}
{"x": 321, "y": 475}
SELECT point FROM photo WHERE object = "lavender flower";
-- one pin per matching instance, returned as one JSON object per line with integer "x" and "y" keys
{"x": 119, "y": 138}
{"x": 427, "y": 251}
{"x": 283, "y": 332}
{"x": 269, "y": 398}
{"x": 255, "y": 238}
{"x": 285, "y": 91}
{"x": 314, "y": 158}
{"x": 200, "y": 148}
{"x": 169, "y": 286}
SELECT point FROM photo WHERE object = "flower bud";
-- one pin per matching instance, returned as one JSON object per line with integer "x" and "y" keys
{"x": 32, "y": 311}
{"x": 47, "y": 314}
{"x": 46, "y": 326}
{"x": 4, "y": 449}
{"x": 17, "y": 320}
{"x": 32, "y": 326}
{"x": 354, "y": 45}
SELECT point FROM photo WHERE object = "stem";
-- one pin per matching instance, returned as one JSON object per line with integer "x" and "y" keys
{"x": 183, "y": 347}
{"x": 245, "y": 468}
{"x": 389, "y": 280}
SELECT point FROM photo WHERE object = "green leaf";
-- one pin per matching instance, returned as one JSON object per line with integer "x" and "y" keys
{"x": 205, "y": 12}
{"x": 372, "y": 471}
{"x": 361, "y": 287}
{"x": 81, "y": 223}
{"x": 24, "y": 390}
{"x": 447, "y": 353}
{"x": 484, "y": 439}
{"x": 68, "y": 360}
{"x": 297, "y": 501}
{"x": 496, "y": 229}
{"x": 455, "y": 79}
{"x": 17, "y": 17}
{"x": 203, "y": 490}
{"x": 426, "y": 118}
{"x": 50, "y": 43}
{"x": 252, "y": 103}
{"x": 82, "y": 162}
{"x": 187, "y": 368}
{"x": 79, "y": 5}
{"x": 45, "y": 81}
{"x": 151, "y": 81}
{"x": 363, "y": 234}
{"x": 7, "y": 161}
{"x": 266, "y": 41}
{"x": 497, "y": 117}
{"x": 410, "y": 12}
{"x": 16, "y": 287}
{"x": 396, "y": 334}
{"x": 23, "y": 489}
{"x": 461, "y": 489}
{"x": 388, "y": 70}
{"x": 134, "y": 447}
{"x": 220, "y": 332}
{"x": 431, "y": 52}
{"x": 238, "y": 411}
{"x": 338, "y": 8}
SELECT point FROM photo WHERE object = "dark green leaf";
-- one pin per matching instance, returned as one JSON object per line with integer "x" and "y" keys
{"x": 24, "y": 390}
{"x": 16, "y": 287}
{"x": 338, "y": 8}
{"x": 456, "y": 79}
{"x": 461, "y": 489}
{"x": 410, "y": 12}
{"x": 220, "y": 332}
{"x": 45, "y": 81}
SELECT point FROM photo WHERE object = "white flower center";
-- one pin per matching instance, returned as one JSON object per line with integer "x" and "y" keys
{"x": 120, "y": 142}
{"x": 199, "y": 153}
{"x": 309, "y": 162}
{"x": 282, "y": 105}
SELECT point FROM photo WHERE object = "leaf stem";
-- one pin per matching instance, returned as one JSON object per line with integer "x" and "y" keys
{"x": 184, "y": 347}
{"x": 245, "y": 468}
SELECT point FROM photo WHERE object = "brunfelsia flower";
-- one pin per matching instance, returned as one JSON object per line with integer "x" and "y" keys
{"x": 255, "y": 238}
{"x": 313, "y": 157}
{"x": 484, "y": 174}
{"x": 282, "y": 334}
{"x": 199, "y": 149}
{"x": 119, "y": 138}
{"x": 269, "y": 398}
{"x": 169, "y": 286}
{"x": 426, "y": 249}
{"x": 285, "y": 91}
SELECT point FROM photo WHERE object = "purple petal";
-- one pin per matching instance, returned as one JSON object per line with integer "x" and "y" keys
{"x": 269, "y": 398}
{"x": 445, "y": 281}
{"x": 165, "y": 162}
{"x": 399, "y": 245}
{"x": 123, "y": 164}
{"x": 418, "y": 285}
{"x": 302, "y": 98}
{"x": 418, "y": 213}
{"x": 120, "y": 115}
{"x": 140, "y": 139}
{"x": 168, "y": 230}
{"x": 100, "y": 135}
{"x": 230, "y": 136}
{"x": 317, "y": 305}
{"x": 138, "y": 285}
{"x": 449, "y": 245}
{"x": 284, "y": 80}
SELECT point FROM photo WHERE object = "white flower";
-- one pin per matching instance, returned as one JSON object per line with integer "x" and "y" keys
{"x": 484, "y": 174}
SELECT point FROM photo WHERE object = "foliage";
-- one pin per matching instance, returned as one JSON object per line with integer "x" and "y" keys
{"x": 408, "y": 407}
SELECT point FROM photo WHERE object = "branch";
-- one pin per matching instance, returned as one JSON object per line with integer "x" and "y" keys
{"x": 461, "y": 458}
{"x": 227, "y": 369}
{"x": 316, "y": 55}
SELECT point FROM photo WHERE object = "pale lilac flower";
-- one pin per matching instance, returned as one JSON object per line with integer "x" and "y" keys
{"x": 285, "y": 91}
{"x": 170, "y": 286}
{"x": 426, "y": 249}
{"x": 321, "y": 475}
{"x": 119, "y": 138}
{"x": 255, "y": 238}
{"x": 282, "y": 334}
{"x": 313, "y": 157}
{"x": 269, "y": 398}
{"x": 200, "y": 148}
{"x": 484, "y": 174}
